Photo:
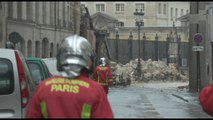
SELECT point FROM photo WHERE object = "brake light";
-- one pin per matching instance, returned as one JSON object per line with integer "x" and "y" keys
{"x": 23, "y": 82}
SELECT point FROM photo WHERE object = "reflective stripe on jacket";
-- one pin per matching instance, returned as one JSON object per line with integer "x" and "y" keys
{"x": 103, "y": 75}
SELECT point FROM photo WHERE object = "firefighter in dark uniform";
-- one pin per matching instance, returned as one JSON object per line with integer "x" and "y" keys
{"x": 73, "y": 94}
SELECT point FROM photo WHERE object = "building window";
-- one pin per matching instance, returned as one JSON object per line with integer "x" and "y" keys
{"x": 10, "y": 9}
{"x": 83, "y": 5}
{"x": 176, "y": 14}
{"x": 120, "y": 24}
{"x": 139, "y": 6}
{"x": 64, "y": 15}
{"x": 29, "y": 11}
{"x": 58, "y": 15}
{"x": 171, "y": 14}
{"x": 59, "y": 22}
{"x": 181, "y": 12}
{"x": 70, "y": 25}
{"x": 64, "y": 23}
{"x": 142, "y": 24}
{"x": 159, "y": 8}
{"x": 184, "y": 62}
{"x": 19, "y": 10}
{"x": 164, "y": 9}
{"x": 187, "y": 11}
{"x": 68, "y": 14}
{"x": 37, "y": 11}
{"x": 119, "y": 7}
{"x": 52, "y": 13}
{"x": 44, "y": 12}
{"x": 100, "y": 7}
{"x": 83, "y": 10}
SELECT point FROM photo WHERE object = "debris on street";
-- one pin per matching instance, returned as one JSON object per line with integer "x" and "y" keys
{"x": 151, "y": 71}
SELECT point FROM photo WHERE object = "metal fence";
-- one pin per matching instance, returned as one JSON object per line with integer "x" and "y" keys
{"x": 124, "y": 50}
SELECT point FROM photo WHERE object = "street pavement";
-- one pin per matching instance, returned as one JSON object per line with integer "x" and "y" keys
{"x": 142, "y": 100}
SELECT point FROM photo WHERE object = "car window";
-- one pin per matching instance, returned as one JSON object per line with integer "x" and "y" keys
{"x": 6, "y": 77}
{"x": 46, "y": 69}
{"x": 36, "y": 72}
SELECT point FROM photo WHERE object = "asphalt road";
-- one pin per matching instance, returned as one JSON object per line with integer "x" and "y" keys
{"x": 154, "y": 102}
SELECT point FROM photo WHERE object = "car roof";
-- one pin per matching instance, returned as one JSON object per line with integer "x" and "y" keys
{"x": 49, "y": 59}
{"x": 6, "y": 49}
{"x": 33, "y": 58}
{"x": 5, "y": 52}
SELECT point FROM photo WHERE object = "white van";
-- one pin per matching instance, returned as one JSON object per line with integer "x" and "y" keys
{"x": 51, "y": 64}
{"x": 16, "y": 84}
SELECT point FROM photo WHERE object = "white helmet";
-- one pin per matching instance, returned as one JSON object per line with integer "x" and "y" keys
{"x": 9, "y": 45}
{"x": 103, "y": 61}
{"x": 75, "y": 53}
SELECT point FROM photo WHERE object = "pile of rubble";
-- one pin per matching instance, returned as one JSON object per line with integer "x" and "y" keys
{"x": 151, "y": 71}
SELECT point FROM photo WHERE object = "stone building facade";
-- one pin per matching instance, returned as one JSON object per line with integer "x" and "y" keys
{"x": 157, "y": 14}
{"x": 158, "y": 19}
{"x": 37, "y": 28}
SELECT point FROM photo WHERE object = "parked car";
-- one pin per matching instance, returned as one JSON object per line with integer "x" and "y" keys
{"x": 51, "y": 64}
{"x": 38, "y": 69}
{"x": 16, "y": 84}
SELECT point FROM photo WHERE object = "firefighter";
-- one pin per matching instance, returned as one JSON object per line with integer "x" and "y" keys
{"x": 206, "y": 99}
{"x": 73, "y": 94}
{"x": 103, "y": 75}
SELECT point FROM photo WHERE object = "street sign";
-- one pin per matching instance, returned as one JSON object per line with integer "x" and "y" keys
{"x": 198, "y": 38}
{"x": 198, "y": 48}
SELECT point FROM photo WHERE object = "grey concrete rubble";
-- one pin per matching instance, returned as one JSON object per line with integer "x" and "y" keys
{"x": 151, "y": 71}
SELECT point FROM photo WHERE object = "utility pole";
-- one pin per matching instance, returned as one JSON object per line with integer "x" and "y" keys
{"x": 205, "y": 68}
{"x": 192, "y": 56}
{"x": 192, "y": 61}
{"x": 116, "y": 45}
{"x": 199, "y": 63}
{"x": 3, "y": 25}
